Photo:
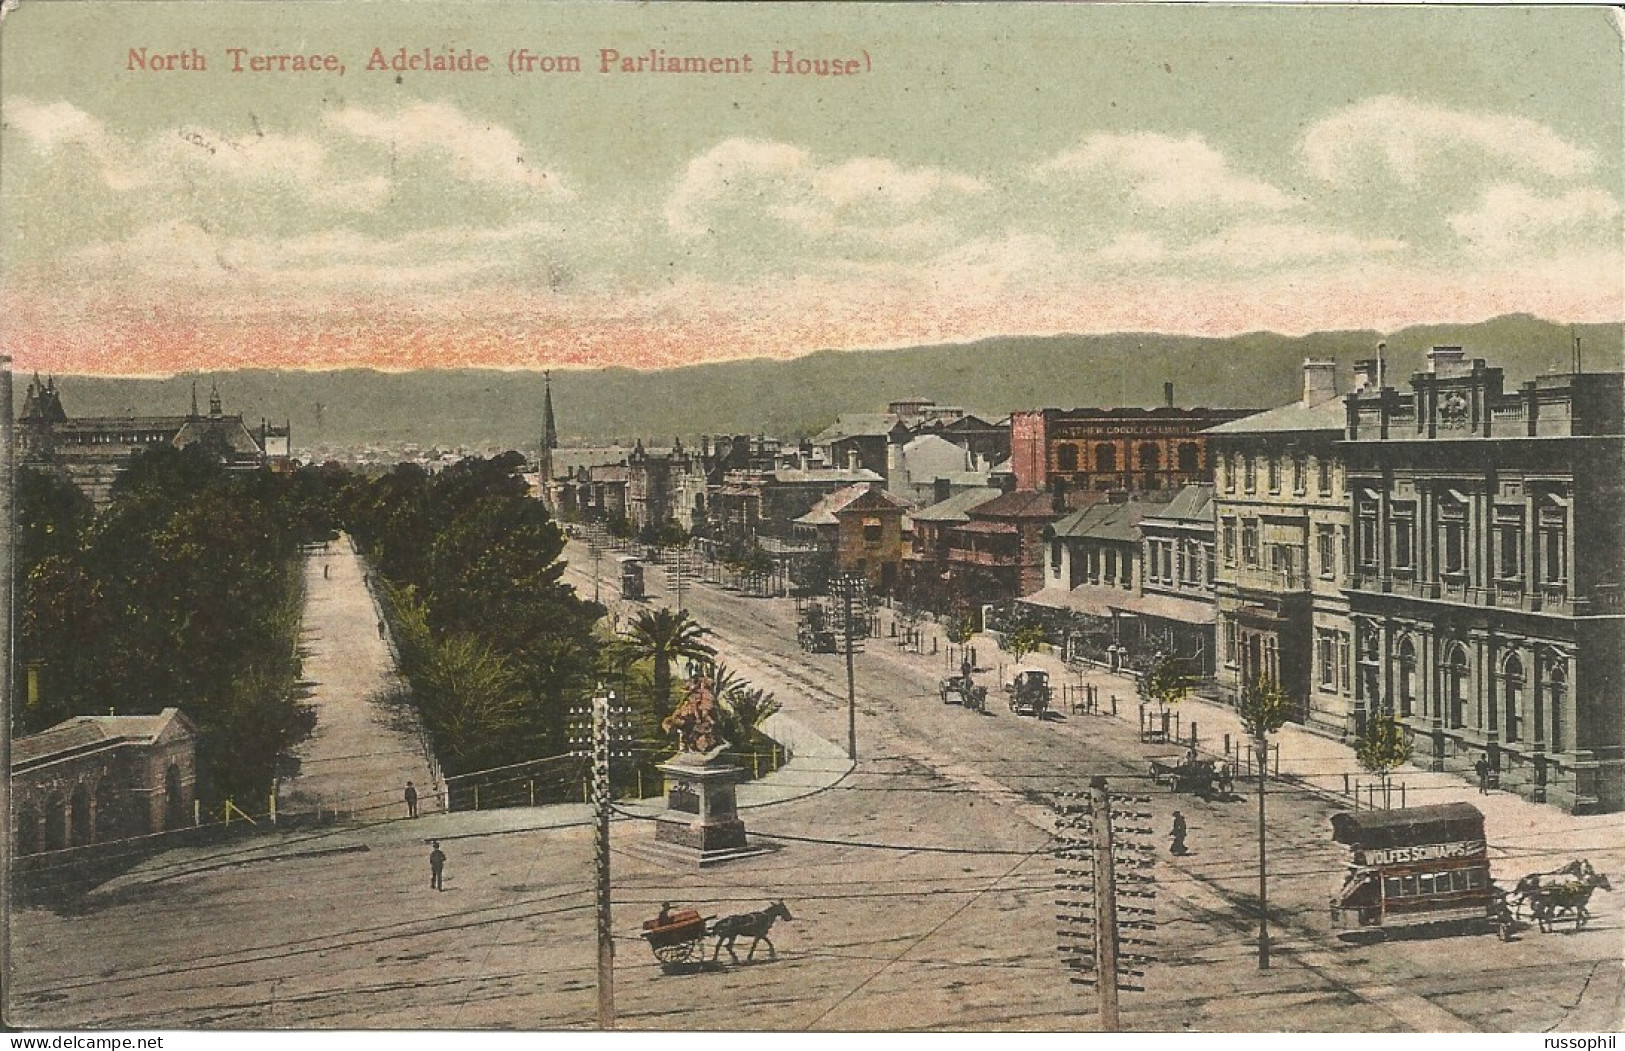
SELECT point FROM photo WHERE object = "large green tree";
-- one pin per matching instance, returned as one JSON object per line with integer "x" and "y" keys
{"x": 664, "y": 637}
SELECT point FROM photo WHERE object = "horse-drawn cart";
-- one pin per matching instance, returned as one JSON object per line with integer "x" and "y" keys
{"x": 961, "y": 690}
{"x": 1184, "y": 773}
{"x": 674, "y": 937}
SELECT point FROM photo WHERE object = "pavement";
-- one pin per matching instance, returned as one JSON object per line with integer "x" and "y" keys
{"x": 363, "y": 750}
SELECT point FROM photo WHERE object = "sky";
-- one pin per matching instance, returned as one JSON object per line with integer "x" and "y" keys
{"x": 985, "y": 169}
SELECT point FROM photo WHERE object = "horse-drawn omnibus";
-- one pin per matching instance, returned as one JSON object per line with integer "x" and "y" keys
{"x": 631, "y": 578}
{"x": 1414, "y": 867}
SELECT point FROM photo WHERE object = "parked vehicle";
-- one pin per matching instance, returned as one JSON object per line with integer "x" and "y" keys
{"x": 816, "y": 631}
{"x": 631, "y": 578}
{"x": 1185, "y": 773}
{"x": 1029, "y": 692}
{"x": 1416, "y": 867}
{"x": 960, "y": 689}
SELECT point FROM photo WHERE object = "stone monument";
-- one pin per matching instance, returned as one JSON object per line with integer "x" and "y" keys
{"x": 701, "y": 821}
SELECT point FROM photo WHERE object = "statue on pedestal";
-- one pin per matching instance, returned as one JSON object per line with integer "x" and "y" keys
{"x": 694, "y": 721}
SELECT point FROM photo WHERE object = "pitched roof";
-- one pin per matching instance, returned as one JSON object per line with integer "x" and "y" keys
{"x": 1194, "y": 503}
{"x": 1031, "y": 503}
{"x": 856, "y": 424}
{"x": 953, "y": 509}
{"x": 88, "y": 732}
{"x": 1105, "y": 520}
{"x": 801, "y": 475}
{"x": 1327, "y": 416}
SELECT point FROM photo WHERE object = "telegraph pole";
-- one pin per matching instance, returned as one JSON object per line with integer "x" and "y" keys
{"x": 1100, "y": 804}
{"x": 8, "y": 641}
{"x": 851, "y": 587}
{"x": 1263, "y": 862}
{"x": 608, "y": 728}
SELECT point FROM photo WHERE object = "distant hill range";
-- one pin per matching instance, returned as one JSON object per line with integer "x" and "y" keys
{"x": 479, "y": 408}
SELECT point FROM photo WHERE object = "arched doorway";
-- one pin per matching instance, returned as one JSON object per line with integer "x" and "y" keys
{"x": 1455, "y": 686}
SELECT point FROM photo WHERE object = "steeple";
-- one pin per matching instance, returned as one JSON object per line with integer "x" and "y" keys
{"x": 215, "y": 412}
{"x": 194, "y": 413}
{"x": 550, "y": 441}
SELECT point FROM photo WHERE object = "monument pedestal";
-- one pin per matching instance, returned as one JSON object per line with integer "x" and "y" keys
{"x": 701, "y": 823}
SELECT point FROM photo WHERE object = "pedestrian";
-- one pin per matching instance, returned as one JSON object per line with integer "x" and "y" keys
{"x": 411, "y": 800}
{"x": 437, "y": 866}
{"x": 380, "y": 629}
{"x": 1178, "y": 835}
{"x": 1483, "y": 769}
{"x": 325, "y": 574}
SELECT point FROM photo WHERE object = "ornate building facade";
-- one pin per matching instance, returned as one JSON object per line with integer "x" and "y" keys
{"x": 1486, "y": 584}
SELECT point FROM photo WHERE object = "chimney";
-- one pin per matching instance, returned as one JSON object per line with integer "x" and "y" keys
{"x": 851, "y": 459}
{"x": 1168, "y": 394}
{"x": 1365, "y": 374}
{"x": 1319, "y": 381}
{"x": 941, "y": 489}
{"x": 1448, "y": 362}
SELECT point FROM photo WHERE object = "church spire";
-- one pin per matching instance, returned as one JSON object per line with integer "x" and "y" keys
{"x": 550, "y": 441}
{"x": 194, "y": 399}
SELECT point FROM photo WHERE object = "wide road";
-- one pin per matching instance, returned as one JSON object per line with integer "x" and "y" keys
{"x": 1206, "y": 909}
{"x": 364, "y": 749}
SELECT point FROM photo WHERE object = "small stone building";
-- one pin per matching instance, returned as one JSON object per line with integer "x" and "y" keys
{"x": 95, "y": 778}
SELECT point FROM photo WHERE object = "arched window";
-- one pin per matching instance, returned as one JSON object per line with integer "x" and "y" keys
{"x": 1557, "y": 690}
{"x": 1455, "y": 686}
{"x": 1190, "y": 458}
{"x": 1105, "y": 457}
{"x": 1407, "y": 676}
{"x": 1512, "y": 684}
{"x": 1150, "y": 456}
{"x": 1066, "y": 458}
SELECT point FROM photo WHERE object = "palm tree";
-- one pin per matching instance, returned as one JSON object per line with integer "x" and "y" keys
{"x": 662, "y": 637}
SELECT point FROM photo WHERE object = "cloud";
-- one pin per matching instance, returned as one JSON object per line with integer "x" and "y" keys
{"x": 1166, "y": 172}
{"x": 1510, "y": 217}
{"x": 746, "y": 181}
{"x": 52, "y": 126}
{"x": 1408, "y": 140}
{"x": 1262, "y": 245}
{"x": 476, "y": 151}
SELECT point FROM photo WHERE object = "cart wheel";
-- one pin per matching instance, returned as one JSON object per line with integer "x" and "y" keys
{"x": 675, "y": 954}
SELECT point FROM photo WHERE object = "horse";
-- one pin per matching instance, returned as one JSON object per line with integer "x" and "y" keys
{"x": 754, "y": 925}
{"x": 1551, "y": 895}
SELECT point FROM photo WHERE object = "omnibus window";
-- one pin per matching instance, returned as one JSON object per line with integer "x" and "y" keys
{"x": 1391, "y": 887}
{"x": 1458, "y": 879}
{"x": 1425, "y": 883}
{"x": 1475, "y": 878}
{"x": 1408, "y": 886}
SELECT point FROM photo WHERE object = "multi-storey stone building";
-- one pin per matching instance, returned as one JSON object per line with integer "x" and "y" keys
{"x": 1488, "y": 568}
{"x": 1283, "y": 539}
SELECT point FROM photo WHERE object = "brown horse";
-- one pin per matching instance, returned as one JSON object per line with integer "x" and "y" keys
{"x": 1552, "y": 895}
{"x": 753, "y": 925}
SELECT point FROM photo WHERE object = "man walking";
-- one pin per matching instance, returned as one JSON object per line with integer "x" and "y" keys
{"x": 411, "y": 800}
{"x": 437, "y": 866}
{"x": 1178, "y": 835}
{"x": 1483, "y": 769}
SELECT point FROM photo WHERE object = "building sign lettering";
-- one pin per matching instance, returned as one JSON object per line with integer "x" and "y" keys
{"x": 1422, "y": 852}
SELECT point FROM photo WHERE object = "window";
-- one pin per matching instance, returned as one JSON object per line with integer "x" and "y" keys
{"x": 1105, "y": 457}
{"x": 1227, "y": 467}
{"x": 1066, "y": 458}
{"x": 1190, "y": 458}
{"x": 1345, "y": 662}
{"x": 1230, "y": 647}
{"x": 1249, "y": 542}
{"x": 1325, "y": 549}
{"x": 1512, "y": 696}
{"x": 1453, "y": 537}
{"x": 1211, "y": 567}
{"x": 1299, "y": 470}
{"x": 1323, "y": 475}
{"x": 1054, "y": 556}
{"x": 1455, "y": 686}
{"x": 1229, "y": 532}
{"x": 1508, "y": 545}
{"x": 1273, "y": 466}
{"x": 871, "y": 531}
{"x": 1552, "y": 556}
{"x": 1367, "y": 534}
{"x": 1167, "y": 561}
{"x": 1407, "y": 676}
{"x": 1403, "y": 537}
{"x": 1326, "y": 659}
{"x": 1249, "y": 473}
